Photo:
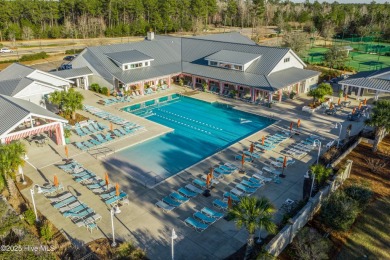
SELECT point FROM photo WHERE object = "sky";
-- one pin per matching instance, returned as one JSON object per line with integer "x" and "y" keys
{"x": 344, "y": 1}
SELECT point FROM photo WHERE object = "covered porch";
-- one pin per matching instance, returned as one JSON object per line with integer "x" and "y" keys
{"x": 143, "y": 87}
{"x": 79, "y": 76}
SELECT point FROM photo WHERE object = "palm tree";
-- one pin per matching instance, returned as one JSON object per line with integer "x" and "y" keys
{"x": 380, "y": 120}
{"x": 11, "y": 157}
{"x": 321, "y": 173}
{"x": 69, "y": 101}
{"x": 253, "y": 213}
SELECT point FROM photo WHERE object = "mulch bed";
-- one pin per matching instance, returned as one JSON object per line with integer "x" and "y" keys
{"x": 71, "y": 121}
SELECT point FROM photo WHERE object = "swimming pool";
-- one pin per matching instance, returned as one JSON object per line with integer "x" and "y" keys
{"x": 200, "y": 130}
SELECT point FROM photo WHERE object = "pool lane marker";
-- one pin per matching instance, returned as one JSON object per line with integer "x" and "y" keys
{"x": 181, "y": 123}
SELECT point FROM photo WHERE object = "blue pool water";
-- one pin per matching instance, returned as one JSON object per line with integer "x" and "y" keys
{"x": 200, "y": 130}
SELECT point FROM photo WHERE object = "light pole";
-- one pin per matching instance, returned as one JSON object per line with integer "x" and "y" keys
{"x": 312, "y": 182}
{"x": 341, "y": 127}
{"x": 21, "y": 172}
{"x": 33, "y": 201}
{"x": 173, "y": 237}
{"x": 319, "y": 148}
{"x": 114, "y": 210}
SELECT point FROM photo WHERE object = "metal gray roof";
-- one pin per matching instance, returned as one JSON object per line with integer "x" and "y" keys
{"x": 236, "y": 57}
{"x": 379, "y": 79}
{"x": 128, "y": 56}
{"x": 290, "y": 76}
{"x": 13, "y": 110}
{"x": 72, "y": 73}
{"x": 13, "y": 86}
{"x": 234, "y": 37}
{"x": 15, "y": 71}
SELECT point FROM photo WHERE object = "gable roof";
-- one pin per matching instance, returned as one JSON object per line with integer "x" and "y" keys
{"x": 72, "y": 73}
{"x": 290, "y": 76}
{"x": 234, "y": 37}
{"x": 379, "y": 79}
{"x": 128, "y": 56}
{"x": 13, "y": 110}
{"x": 236, "y": 57}
{"x": 13, "y": 86}
{"x": 15, "y": 71}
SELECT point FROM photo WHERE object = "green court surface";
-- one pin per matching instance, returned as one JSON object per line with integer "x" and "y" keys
{"x": 358, "y": 60}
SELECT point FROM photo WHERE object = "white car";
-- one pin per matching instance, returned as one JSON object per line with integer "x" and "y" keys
{"x": 5, "y": 50}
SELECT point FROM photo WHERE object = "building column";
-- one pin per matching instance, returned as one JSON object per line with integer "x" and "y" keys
{"x": 169, "y": 81}
{"x": 280, "y": 95}
{"x": 358, "y": 93}
{"x": 347, "y": 89}
{"x": 270, "y": 94}
{"x": 221, "y": 86}
{"x": 377, "y": 94}
{"x": 142, "y": 90}
{"x": 237, "y": 92}
{"x": 77, "y": 82}
{"x": 253, "y": 95}
{"x": 193, "y": 82}
{"x": 298, "y": 85}
{"x": 62, "y": 134}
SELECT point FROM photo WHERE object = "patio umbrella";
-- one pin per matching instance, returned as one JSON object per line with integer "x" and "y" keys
{"x": 107, "y": 181}
{"x": 66, "y": 151}
{"x": 365, "y": 101}
{"x": 252, "y": 148}
{"x": 230, "y": 202}
{"x": 55, "y": 181}
{"x": 111, "y": 127}
{"x": 345, "y": 97}
{"x": 331, "y": 105}
{"x": 291, "y": 126}
{"x": 360, "y": 105}
{"x": 339, "y": 102}
{"x": 299, "y": 123}
{"x": 285, "y": 162}
{"x": 211, "y": 173}
{"x": 208, "y": 180}
{"x": 262, "y": 140}
{"x": 353, "y": 111}
{"x": 243, "y": 160}
{"x": 117, "y": 190}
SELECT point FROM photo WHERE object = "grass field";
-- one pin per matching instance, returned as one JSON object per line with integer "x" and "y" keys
{"x": 359, "y": 61}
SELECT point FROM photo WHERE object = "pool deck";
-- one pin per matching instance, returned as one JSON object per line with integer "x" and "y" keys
{"x": 146, "y": 225}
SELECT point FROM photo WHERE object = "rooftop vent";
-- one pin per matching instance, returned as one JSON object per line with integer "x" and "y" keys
{"x": 150, "y": 36}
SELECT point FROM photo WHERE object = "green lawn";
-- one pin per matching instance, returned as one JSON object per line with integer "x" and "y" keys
{"x": 370, "y": 235}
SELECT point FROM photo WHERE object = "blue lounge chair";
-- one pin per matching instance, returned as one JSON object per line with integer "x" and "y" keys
{"x": 108, "y": 195}
{"x": 88, "y": 144}
{"x": 187, "y": 193}
{"x": 199, "y": 183}
{"x": 48, "y": 190}
{"x": 70, "y": 206}
{"x": 254, "y": 180}
{"x": 117, "y": 133}
{"x": 86, "y": 131}
{"x": 64, "y": 202}
{"x": 245, "y": 189}
{"x": 92, "y": 129}
{"x": 212, "y": 213}
{"x": 254, "y": 155}
{"x": 68, "y": 166}
{"x": 102, "y": 126}
{"x": 100, "y": 138}
{"x": 250, "y": 184}
{"x": 220, "y": 204}
{"x": 85, "y": 177}
{"x": 94, "y": 142}
{"x": 204, "y": 218}
{"x": 80, "y": 174}
{"x": 263, "y": 147}
{"x": 165, "y": 207}
{"x": 81, "y": 146}
{"x": 61, "y": 197}
{"x": 198, "y": 226}
{"x": 108, "y": 137}
{"x": 222, "y": 171}
{"x": 116, "y": 198}
{"x": 171, "y": 202}
{"x": 79, "y": 132}
{"x": 96, "y": 185}
{"x": 80, "y": 214}
{"x": 123, "y": 132}
{"x": 239, "y": 157}
{"x": 178, "y": 197}
{"x": 77, "y": 209}
{"x": 193, "y": 188}
{"x": 232, "y": 196}
{"x": 227, "y": 168}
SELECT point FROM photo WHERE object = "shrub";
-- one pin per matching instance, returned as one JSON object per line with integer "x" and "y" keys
{"x": 376, "y": 165}
{"x": 29, "y": 216}
{"x": 128, "y": 251}
{"x": 35, "y": 56}
{"x": 104, "y": 91}
{"x": 339, "y": 211}
{"x": 73, "y": 51}
{"x": 309, "y": 244}
{"x": 95, "y": 87}
{"x": 361, "y": 194}
{"x": 47, "y": 231}
{"x": 138, "y": 254}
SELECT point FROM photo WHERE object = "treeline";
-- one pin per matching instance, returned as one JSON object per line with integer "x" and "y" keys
{"x": 29, "y": 19}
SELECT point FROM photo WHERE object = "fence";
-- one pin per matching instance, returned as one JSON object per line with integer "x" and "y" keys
{"x": 287, "y": 234}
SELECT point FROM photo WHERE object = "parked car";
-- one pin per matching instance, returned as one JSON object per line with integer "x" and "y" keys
{"x": 65, "y": 67}
{"x": 69, "y": 58}
{"x": 5, "y": 50}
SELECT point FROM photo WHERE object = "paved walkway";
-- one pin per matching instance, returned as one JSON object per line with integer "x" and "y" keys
{"x": 147, "y": 225}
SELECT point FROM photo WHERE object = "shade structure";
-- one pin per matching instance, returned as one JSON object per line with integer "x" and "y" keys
{"x": 360, "y": 105}
{"x": 331, "y": 105}
{"x": 298, "y": 123}
{"x": 252, "y": 148}
{"x": 111, "y": 127}
{"x": 354, "y": 110}
{"x": 339, "y": 102}
{"x": 262, "y": 140}
{"x": 365, "y": 101}
{"x": 106, "y": 179}
{"x": 285, "y": 162}
{"x": 66, "y": 151}
{"x": 345, "y": 97}
{"x": 291, "y": 125}
{"x": 230, "y": 202}
{"x": 211, "y": 173}
{"x": 208, "y": 180}
{"x": 55, "y": 181}
{"x": 117, "y": 189}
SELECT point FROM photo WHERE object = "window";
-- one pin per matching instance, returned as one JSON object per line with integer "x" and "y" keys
{"x": 146, "y": 63}
{"x": 237, "y": 67}
{"x": 213, "y": 63}
{"x": 126, "y": 67}
{"x": 132, "y": 66}
{"x": 286, "y": 60}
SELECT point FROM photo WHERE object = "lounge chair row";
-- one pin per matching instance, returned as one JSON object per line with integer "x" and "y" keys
{"x": 91, "y": 128}
{"x": 202, "y": 219}
{"x": 111, "y": 101}
{"x": 110, "y": 117}
{"x": 179, "y": 197}
{"x": 80, "y": 214}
